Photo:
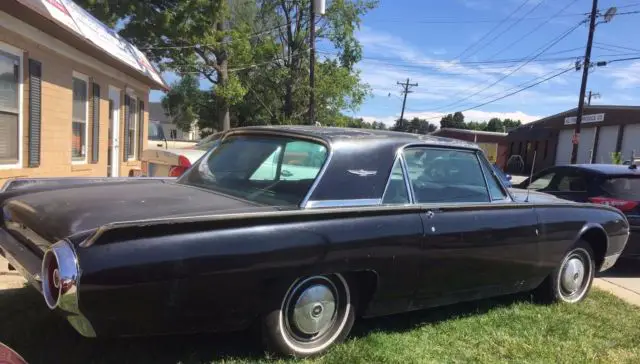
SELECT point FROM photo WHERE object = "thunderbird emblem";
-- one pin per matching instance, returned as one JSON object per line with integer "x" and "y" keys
{"x": 362, "y": 172}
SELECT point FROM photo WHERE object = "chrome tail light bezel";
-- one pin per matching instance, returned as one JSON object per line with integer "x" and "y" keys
{"x": 60, "y": 276}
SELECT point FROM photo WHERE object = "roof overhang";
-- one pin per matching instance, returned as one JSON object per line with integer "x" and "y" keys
{"x": 73, "y": 25}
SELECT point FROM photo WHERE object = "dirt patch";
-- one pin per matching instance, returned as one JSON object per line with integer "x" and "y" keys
{"x": 9, "y": 279}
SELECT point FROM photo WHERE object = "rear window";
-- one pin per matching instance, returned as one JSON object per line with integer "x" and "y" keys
{"x": 263, "y": 169}
{"x": 625, "y": 188}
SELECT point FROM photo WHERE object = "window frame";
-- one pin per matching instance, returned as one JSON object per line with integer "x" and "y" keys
{"x": 409, "y": 185}
{"x": 489, "y": 172}
{"x": 85, "y": 78}
{"x": 20, "y": 54}
{"x": 133, "y": 99}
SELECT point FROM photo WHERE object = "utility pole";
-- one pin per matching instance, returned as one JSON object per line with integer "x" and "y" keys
{"x": 583, "y": 85}
{"x": 609, "y": 14}
{"x": 595, "y": 95}
{"x": 405, "y": 91}
{"x": 314, "y": 6}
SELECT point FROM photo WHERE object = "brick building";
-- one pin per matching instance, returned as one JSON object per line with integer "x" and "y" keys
{"x": 73, "y": 94}
{"x": 605, "y": 129}
{"x": 492, "y": 143}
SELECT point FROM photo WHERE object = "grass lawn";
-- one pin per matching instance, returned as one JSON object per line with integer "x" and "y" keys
{"x": 510, "y": 329}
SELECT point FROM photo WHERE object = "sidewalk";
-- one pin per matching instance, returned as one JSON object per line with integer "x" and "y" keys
{"x": 9, "y": 279}
{"x": 624, "y": 291}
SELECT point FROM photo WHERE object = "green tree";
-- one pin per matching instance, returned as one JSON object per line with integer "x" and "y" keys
{"x": 495, "y": 124}
{"x": 183, "y": 102}
{"x": 511, "y": 124}
{"x": 455, "y": 120}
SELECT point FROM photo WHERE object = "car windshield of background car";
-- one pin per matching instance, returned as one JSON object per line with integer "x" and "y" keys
{"x": 263, "y": 169}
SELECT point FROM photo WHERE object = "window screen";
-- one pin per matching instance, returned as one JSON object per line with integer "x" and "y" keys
{"x": 79, "y": 120}
{"x": 9, "y": 113}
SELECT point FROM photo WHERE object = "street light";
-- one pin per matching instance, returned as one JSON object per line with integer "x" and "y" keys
{"x": 611, "y": 12}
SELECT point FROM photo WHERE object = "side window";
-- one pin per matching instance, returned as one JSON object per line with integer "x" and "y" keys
{"x": 446, "y": 175}
{"x": 542, "y": 182}
{"x": 497, "y": 193}
{"x": 300, "y": 161}
{"x": 572, "y": 182}
{"x": 396, "y": 192}
{"x": 268, "y": 169}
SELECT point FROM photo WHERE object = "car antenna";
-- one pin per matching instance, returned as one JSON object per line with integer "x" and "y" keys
{"x": 533, "y": 165}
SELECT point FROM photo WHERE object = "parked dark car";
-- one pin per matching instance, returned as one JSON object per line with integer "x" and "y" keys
{"x": 608, "y": 184}
{"x": 299, "y": 230}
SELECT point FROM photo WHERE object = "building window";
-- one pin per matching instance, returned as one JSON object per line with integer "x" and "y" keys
{"x": 10, "y": 106}
{"x": 80, "y": 125}
{"x": 173, "y": 133}
{"x": 133, "y": 128}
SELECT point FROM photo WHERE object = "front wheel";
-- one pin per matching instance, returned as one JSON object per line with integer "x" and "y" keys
{"x": 315, "y": 313}
{"x": 571, "y": 280}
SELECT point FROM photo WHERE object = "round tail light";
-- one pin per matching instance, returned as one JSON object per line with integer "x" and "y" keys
{"x": 59, "y": 273}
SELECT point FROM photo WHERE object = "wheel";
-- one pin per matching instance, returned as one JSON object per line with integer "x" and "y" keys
{"x": 314, "y": 313}
{"x": 571, "y": 280}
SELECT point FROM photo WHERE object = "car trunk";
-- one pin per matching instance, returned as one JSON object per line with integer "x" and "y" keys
{"x": 622, "y": 192}
{"x": 42, "y": 218}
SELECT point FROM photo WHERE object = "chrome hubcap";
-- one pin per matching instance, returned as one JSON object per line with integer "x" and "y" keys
{"x": 573, "y": 275}
{"x": 314, "y": 310}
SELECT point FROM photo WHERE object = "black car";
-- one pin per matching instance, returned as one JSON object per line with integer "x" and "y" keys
{"x": 608, "y": 184}
{"x": 299, "y": 230}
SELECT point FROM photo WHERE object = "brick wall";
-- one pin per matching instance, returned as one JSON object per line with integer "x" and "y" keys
{"x": 56, "y": 111}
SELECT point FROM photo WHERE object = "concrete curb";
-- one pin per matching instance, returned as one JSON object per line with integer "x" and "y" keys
{"x": 621, "y": 292}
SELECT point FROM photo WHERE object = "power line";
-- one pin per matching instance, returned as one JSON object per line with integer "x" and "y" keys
{"x": 518, "y": 21}
{"x": 509, "y": 94}
{"x": 492, "y": 30}
{"x": 534, "y": 29}
{"x": 554, "y": 42}
{"x": 464, "y": 21}
{"x": 617, "y": 46}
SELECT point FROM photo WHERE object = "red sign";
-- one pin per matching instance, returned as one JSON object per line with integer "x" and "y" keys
{"x": 575, "y": 139}
{"x": 8, "y": 356}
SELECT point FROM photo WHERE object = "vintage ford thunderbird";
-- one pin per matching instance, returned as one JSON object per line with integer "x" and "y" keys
{"x": 299, "y": 230}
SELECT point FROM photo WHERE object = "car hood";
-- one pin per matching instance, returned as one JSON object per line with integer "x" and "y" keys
{"x": 56, "y": 214}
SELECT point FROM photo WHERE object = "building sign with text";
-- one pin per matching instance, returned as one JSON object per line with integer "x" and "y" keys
{"x": 591, "y": 118}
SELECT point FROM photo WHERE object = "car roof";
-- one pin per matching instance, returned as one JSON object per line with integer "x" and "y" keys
{"x": 333, "y": 134}
{"x": 608, "y": 169}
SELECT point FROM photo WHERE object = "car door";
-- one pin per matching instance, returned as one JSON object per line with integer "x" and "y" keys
{"x": 477, "y": 241}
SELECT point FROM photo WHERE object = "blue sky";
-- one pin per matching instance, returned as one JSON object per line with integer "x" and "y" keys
{"x": 422, "y": 40}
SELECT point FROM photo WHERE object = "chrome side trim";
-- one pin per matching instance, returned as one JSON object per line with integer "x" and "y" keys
{"x": 67, "y": 280}
{"x": 609, "y": 261}
{"x": 407, "y": 178}
{"x": 343, "y": 203}
{"x": 319, "y": 176}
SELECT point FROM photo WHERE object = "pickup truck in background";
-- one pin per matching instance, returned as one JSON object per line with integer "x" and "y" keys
{"x": 157, "y": 139}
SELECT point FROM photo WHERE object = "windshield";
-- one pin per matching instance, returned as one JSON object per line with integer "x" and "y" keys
{"x": 625, "y": 188}
{"x": 155, "y": 132}
{"x": 263, "y": 169}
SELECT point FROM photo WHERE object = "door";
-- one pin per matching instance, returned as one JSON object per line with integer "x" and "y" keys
{"x": 477, "y": 242}
{"x": 585, "y": 148}
{"x": 114, "y": 132}
{"x": 607, "y": 141}
{"x": 563, "y": 150}
{"x": 631, "y": 142}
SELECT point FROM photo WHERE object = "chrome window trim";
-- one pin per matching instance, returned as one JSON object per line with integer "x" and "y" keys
{"x": 397, "y": 159}
{"x": 407, "y": 180}
{"x": 473, "y": 151}
{"x": 485, "y": 164}
{"x": 283, "y": 133}
{"x": 343, "y": 203}
{"x": 484, "y": 176}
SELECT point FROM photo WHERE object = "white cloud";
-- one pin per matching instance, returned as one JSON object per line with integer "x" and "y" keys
{"x": 627, "y": 76}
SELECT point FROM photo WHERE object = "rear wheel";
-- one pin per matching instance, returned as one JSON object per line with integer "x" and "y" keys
{"x": 315, "y": 313}
{"x": 571, "y": 280}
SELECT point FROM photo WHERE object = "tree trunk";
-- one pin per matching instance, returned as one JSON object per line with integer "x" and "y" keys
{"x": 224, "y": 118}
{"x": 288, "y": 100}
